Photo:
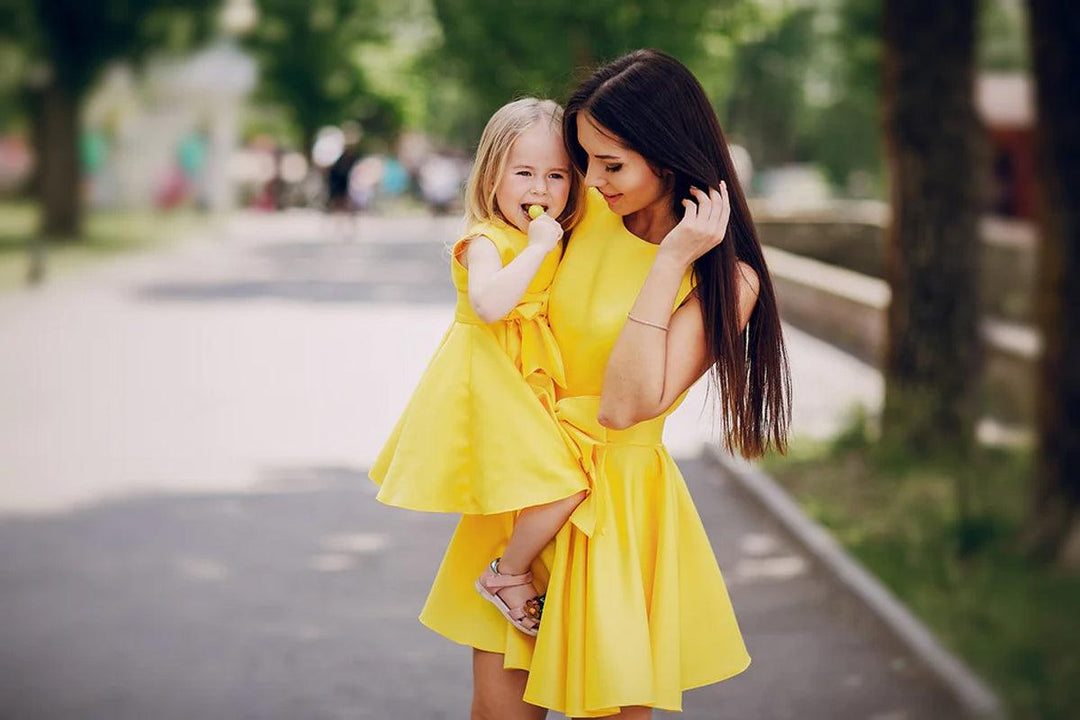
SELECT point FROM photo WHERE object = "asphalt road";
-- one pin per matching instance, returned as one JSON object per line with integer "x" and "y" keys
{"x": 187, "y": 531}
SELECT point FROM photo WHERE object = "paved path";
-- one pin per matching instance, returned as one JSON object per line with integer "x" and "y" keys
{"x": 186, "y": 530}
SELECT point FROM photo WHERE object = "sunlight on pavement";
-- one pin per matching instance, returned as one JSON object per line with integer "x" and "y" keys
{"x": 332, "y": 562}
{"x": 202, "y": 568}
{"x": 355, "y": 543}
{"x": 758, "y": 544}
{"x": 784, "y": 567}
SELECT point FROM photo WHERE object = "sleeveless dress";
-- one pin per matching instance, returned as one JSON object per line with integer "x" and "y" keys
{"x": 474, "y": 438}
{"x": 636, "y": 608}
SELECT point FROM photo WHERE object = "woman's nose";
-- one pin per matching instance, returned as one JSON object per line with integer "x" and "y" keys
{"x": 592, "y": 177}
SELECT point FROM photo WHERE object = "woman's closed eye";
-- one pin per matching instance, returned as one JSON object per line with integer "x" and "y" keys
{"x": 613, "y": 168}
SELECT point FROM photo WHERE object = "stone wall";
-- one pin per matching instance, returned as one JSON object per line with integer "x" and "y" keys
{"x": 848, "y": 309}
{"x": 852, "y": 236}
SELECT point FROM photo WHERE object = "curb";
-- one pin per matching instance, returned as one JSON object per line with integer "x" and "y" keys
{"x": 974, "y": 696}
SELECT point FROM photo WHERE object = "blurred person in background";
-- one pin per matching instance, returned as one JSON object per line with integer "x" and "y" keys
{"x": 341, "y": 197}
{"x": 439, "y": 182}
{"x": 337, "y": 180}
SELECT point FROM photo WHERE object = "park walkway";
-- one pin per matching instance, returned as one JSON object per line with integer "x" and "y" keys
{"x": 187, "y": 530}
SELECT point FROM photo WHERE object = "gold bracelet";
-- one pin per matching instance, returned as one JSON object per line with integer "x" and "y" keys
{"x": 646, "y": 322}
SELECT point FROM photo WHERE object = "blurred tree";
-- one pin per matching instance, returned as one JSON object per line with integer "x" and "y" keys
{"x": 308, "y": 57}
{"x": 845, "y": 138}
{"x": 68, "y": 43}
{"x": 12, "y": 73}
{"x": 1055, "y": 41}
{"x": 1002, "y": 43}
{"x": 767, "y": 109}
{"x": 806, "y": 88}
{"x": 496, "y": 50}
{"x": 933, "y": 141}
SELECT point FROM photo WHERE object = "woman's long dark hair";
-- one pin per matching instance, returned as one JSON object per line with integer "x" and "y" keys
{"x": 655, "y": 106}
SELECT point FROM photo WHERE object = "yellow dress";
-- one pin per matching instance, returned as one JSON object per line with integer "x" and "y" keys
{"x": 474, "y": 438}
{"x": 636, "y": 609}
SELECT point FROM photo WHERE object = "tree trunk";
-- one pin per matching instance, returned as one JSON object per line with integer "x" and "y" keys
{"x": 1055, "y": 41}
{"x": 933, "y": 149}
{"x": 59, "y": 182}
{"x": 308, "y": 134}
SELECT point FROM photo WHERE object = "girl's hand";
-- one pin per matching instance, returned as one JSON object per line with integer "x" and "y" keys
{"x": 545, "y": 233}
{"x": 702, "y": 228}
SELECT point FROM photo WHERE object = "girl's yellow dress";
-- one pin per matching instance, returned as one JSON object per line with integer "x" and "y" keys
{"x": 636, "y": 608}
{"x": 474, "y": 438}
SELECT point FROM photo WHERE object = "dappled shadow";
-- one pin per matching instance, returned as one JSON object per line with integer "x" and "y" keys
{"x": 299, "y": 597}
{"x": 282, "y": 602}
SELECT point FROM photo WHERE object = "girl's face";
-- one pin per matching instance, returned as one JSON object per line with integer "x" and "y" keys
{"x": 623, "y": 176}
{"x": 537, "y": 173}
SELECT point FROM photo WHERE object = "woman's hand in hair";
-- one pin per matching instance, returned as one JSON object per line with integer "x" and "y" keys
{"x": 702, "y": 227}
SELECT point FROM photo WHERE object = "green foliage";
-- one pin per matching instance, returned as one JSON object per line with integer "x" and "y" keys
{"x": 78, "y": 39}
{"x": 766, "y": 109}
{"x": 496, "y": 50}
{"x": 72, "y": 42}
{"x": 806, "y": 90}
{"x": 1002, "y": 36}
{"x": 847, "y": 130}
{"x": 308, "y": 58}
{"x": 13, "y": 63}
{"x": 1013, "y": 620}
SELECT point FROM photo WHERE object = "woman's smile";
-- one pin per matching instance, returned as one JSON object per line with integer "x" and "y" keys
{"x": 611, "y": 199}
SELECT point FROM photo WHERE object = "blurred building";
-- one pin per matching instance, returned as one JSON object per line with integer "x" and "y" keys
{"x": 170, "y": 134}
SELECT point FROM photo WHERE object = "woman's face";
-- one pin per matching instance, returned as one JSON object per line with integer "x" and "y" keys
{"x": 537, "y": 173}
{"x": 623, "y": 176}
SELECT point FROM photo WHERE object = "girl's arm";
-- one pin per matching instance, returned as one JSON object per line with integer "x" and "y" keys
{"x": 495, "y": 290}
{"x": 648, "y": 367}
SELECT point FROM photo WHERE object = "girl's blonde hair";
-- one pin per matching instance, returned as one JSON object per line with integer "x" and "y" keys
{"x": 504, "y": 127}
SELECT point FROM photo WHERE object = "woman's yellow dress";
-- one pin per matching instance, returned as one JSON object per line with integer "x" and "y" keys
{"x": 636, "y": 608}
{"x": 474, "y": 438}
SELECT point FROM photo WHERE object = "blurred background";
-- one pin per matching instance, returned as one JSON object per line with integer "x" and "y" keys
{"x": 222, "y": 269}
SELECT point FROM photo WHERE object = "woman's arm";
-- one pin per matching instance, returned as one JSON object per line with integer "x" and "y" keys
{"x": 495, "y": 290}
{"x": 648, "y": 367}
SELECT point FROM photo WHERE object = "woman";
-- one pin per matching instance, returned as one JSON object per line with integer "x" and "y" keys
{"x": 662, "y": 281}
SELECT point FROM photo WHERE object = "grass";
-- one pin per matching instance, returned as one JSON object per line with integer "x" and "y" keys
{"x": 1015, "y": 622}
{"x": 107, "y": 234}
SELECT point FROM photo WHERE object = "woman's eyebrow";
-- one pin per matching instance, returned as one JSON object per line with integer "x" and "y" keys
{"x": 606, "y": 157}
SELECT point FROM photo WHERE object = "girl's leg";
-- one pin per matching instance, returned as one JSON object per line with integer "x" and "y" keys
{"x": 497, "y": 692}
{"x": 534, "y": 528}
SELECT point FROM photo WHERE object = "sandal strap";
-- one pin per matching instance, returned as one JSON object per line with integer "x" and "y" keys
{"x": 502, "y": 580}
{"x": 495, "y": 579}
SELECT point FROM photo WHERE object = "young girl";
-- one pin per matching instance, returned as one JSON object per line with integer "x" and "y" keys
{"x": 475, "y": 439}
